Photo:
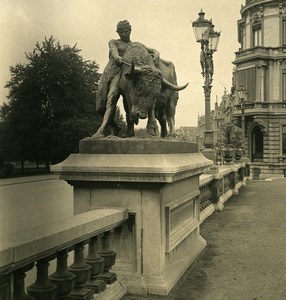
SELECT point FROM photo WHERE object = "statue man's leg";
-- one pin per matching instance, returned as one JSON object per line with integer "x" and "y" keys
{"x": 112, "y": 98}
{"x": 129, "y": 132}
{"x": 101, "y": 95}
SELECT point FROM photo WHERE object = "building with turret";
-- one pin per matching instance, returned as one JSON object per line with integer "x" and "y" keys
{"x": 260, "y": 67}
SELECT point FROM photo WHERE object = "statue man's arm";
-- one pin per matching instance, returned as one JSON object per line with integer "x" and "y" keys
{"x": 113, "y": 51}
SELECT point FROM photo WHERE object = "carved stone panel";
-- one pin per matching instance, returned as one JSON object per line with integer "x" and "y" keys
{"x": 181, "y": 219}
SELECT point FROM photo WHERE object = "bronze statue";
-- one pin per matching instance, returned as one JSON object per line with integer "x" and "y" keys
{"x": 108, "y": 89}
{"x": 134, "y": 72}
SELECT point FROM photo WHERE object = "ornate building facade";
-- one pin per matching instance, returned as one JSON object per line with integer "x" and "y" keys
{"x": 260, "y": 67}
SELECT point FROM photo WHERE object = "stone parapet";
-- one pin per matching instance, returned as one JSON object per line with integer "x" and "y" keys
{"x": 52, "y": 242}
{"x": 25, "y": 247}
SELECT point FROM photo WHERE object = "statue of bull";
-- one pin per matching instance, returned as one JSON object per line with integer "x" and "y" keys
{"x": 148, "y": 91}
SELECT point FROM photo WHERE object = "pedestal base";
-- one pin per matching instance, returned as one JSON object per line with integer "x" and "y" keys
{"x": 81, "y": 294}
{"x": 97, "y": 285}
{"x": 162, "y": 285}
{"x": 157, "y": 180}
{"x": 108, "y": 277}
{"x": 115, "y": 291}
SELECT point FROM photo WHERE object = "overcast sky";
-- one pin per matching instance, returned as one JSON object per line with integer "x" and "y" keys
{"x": 161, "y": 24}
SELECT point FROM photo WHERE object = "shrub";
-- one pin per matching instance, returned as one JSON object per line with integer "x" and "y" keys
{"x": 6, "y": 170}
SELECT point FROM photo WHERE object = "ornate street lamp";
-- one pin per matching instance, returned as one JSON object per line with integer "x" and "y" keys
{"x": 208, "y": 38}
{"x": 202, "y": 28}
{"x": 213, "y": 39}
{"x": 241, "y": 92}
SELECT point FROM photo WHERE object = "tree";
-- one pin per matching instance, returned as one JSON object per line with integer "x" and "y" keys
{"x": 51, "y": 103}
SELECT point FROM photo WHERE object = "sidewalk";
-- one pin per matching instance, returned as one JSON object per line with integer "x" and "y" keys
{"x": 25, "y": 179}
{"x": 245, "y": 258}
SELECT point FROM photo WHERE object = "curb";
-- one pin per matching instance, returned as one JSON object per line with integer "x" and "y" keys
{"x": 27, "y": 179}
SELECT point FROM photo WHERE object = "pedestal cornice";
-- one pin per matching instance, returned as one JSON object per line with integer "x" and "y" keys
{"x": 132, "y": 160}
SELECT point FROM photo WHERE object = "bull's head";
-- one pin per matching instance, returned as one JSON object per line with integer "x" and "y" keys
{"x": 147, "y": 83}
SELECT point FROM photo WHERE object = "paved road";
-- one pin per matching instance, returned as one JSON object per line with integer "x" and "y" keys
{"x": 245, "y": 258}
{"x": 30, "y": 201}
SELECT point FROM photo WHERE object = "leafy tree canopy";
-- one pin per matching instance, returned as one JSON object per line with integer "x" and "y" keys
{"x": 51, "y": 103}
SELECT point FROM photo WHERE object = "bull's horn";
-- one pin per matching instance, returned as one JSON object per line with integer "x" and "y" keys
{"x": 168, "y": 85}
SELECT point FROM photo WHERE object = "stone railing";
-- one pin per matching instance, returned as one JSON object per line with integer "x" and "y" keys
{"x": 154, "y": 242}
{"x": 48, "y": 247}
{"x": 71, "y": 258}
{"x": 217, "y": 188}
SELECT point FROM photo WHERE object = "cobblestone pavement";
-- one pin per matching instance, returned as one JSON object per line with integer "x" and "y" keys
{"x": 245, "y": 258}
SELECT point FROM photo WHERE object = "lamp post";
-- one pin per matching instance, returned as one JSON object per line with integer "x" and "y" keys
{"x": 208, "y": 38}
{"x": 241, "y": 92}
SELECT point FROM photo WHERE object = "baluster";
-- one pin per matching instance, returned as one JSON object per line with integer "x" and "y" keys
{"x": 43, "y": 288}
{"x": 241, "y": 173}
{"x": 97, "y": 266}
{"x": 215, "y": 194}
{"x": 231, "y": 178}
{"x": 63, "y": 278}
{"x": 83, "y": 272}
{"x": 19, "y": 283}
{"x": 109, "y": 256}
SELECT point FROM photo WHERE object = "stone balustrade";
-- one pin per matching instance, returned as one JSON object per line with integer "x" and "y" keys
{"x": 168, "y": 193}
{"x": 217, "y": 188}
{"x": 80, "y": 247}
{"x": 40, "y": 246}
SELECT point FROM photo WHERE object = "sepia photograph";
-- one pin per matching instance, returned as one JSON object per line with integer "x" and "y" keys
{"x": 142, "y": 149}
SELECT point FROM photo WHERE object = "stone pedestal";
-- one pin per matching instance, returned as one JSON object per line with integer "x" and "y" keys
{"x": 158, "y": 181}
